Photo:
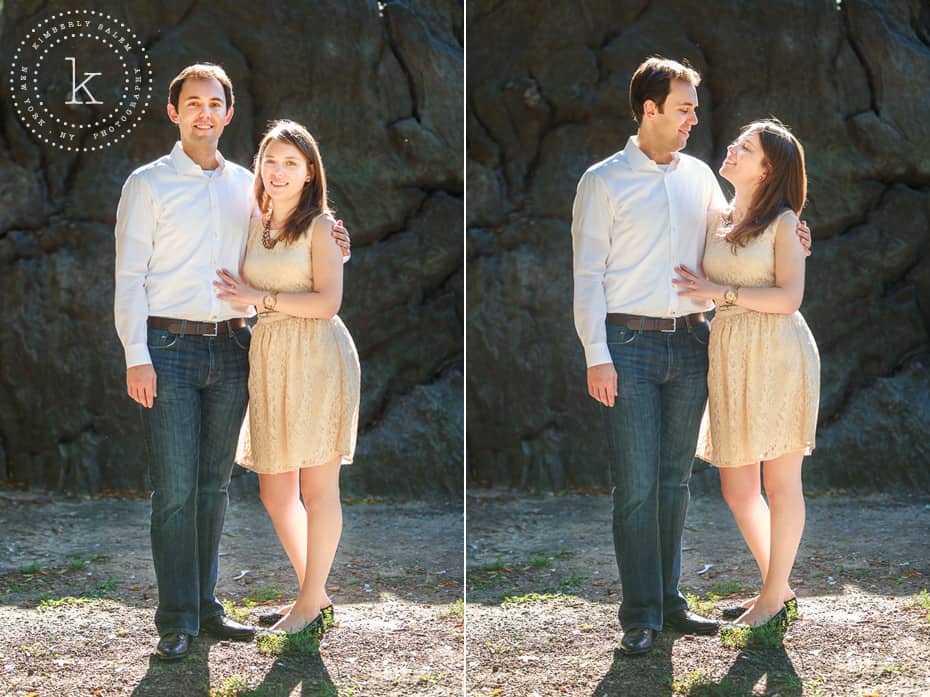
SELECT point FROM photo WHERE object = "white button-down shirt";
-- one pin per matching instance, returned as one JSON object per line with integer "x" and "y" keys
{"x": 176, "y": 224}
{"x": 633, "y": 221}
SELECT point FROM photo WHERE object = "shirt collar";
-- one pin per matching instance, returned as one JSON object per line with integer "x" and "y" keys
{"x": 640, "y": 160}
{"x": 185, "y": 165}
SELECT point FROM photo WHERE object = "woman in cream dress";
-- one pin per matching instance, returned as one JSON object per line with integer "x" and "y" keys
{"x": 303, "y": 366}
{"x": 763, "y": 365}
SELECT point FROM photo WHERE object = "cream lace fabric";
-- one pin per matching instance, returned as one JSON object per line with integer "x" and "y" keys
{"x": 303, "y": 373}
{"x": 763, "y": 374}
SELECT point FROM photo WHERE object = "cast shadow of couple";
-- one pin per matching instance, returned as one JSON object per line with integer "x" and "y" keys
{"x": 654, "y": 673}
{"x": 191, "y": 675}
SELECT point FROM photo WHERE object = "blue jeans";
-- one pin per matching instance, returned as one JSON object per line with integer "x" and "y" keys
{"x": 191, "y": 433}
{"x": 652, "y": 433}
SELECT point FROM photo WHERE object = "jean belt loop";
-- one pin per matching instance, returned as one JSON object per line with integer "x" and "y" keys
{"x": 642, "y": 323}
{"x": 183, "y": 326}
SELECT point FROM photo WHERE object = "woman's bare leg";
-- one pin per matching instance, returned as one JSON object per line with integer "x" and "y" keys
{"x": 280, "y": 494}
{"x": 320, "y": 490}
{"x": 742, "y": 490}
{"x": 785, "y": 493}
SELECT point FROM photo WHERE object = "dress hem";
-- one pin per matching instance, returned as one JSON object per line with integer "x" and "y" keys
{"x": 343, "y": 461}
{"x": 807, "y": 448}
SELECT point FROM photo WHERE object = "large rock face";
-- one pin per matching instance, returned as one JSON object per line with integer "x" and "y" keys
{"x": 548, "y": 95}
{"x": 381, "y": 86}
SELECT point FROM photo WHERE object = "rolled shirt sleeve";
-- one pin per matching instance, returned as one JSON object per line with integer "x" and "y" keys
{"x": 135, "y": 226}
{"x": 591, "y": 223}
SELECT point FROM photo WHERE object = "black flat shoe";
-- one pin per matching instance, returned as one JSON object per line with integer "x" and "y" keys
{"x": 736, "y": 611}
{"x": 269, "y": 619}
{"x": 224, "y": 628}
{"x": 777, "y": 621}
{"x": 172, "y": 646}
{"x": 638, "y": 641}
{"x": 733, "y": 612}
{"x": 311, "y": 628}
{"x": 687, "y": 622}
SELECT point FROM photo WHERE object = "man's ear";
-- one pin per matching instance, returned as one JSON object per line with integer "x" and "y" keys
{"x": 172, "y": 113}
{"x": 229, "y": 115}
{"x": 650, "y": 108}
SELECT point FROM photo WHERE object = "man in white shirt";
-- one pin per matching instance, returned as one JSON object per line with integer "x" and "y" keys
{"x": 636, "y": 216}
{"x": 180, "y": 218}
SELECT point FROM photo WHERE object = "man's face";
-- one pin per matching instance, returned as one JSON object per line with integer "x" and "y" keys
{"x": 673, "y": 124}
{"x": 201, "y": 114}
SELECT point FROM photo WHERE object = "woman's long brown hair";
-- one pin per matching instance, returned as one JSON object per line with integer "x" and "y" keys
{"x": 785, "y": 185}
{"x": 313, "y": 196}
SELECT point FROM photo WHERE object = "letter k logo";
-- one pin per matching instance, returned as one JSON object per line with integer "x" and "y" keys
{"x": 83, "y": 86}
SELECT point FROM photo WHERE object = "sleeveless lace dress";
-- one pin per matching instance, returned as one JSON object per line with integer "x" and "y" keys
{"x": 763, "y": 375}
{"x": 303, "y": 373}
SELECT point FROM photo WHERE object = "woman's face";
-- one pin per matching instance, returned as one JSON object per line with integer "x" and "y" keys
{"x": 743, "y": 166}
{"x": 285, "y": 171}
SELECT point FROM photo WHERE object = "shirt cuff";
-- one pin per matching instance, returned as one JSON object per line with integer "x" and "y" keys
{"x": 137, "y": 354}
{"x": 597, "y": 354}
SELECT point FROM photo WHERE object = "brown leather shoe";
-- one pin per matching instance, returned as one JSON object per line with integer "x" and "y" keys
{"x": 638, "y": 641}
{"x": 687, "y": 622}
{"x": 224, "y": 628}
{"x": 172, "y": 646}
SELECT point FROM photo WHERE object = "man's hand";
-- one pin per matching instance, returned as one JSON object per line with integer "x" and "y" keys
{"x": 602, "y": 383}
{"x": 804, "y": 234}
{"x": 140, "y": 384}
{"x": 341, "y": 235}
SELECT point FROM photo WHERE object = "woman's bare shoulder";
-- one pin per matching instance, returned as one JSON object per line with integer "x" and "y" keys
{"x": 787, "y": 220}
{"x": 321, "y": 227}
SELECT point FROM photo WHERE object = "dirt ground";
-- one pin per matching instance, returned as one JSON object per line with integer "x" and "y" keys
{"x": 864, "y": 629}
{"x": 77, "y": 600}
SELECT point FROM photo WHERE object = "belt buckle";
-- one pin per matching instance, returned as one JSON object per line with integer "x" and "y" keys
{"x": 216, "y": 330}
{"x": 673, "y": 329}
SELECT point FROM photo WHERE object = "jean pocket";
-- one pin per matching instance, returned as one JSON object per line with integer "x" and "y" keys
{"x": 701, "y": 332}
{"x": 243, "y": 338}
{"x": 161, "y": 339}
{"x": 620, "y": 335}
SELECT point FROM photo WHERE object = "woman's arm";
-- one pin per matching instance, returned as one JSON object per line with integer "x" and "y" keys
{"x": 783, "y": 299}
{"x": 323, "y": 302}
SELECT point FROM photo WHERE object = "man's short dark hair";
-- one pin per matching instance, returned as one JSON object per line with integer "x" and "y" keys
{"x": 653, "y": 80}
{"x": 201, "y": 71}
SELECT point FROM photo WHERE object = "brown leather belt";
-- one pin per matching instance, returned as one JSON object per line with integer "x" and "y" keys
{"x": 187, "y": 327}
{"x": 656, "y": 324}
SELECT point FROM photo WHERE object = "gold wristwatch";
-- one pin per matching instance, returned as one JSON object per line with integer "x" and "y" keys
{"x": 270, "y": 301}
{"x": 730, "y": 295}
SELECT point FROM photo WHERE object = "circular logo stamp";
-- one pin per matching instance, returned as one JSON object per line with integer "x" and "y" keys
{"x": 80, "y": 80}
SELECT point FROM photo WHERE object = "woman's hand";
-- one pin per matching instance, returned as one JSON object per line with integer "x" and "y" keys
{"x": 237, "y": 291}
{"x": 696, "y": 286}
